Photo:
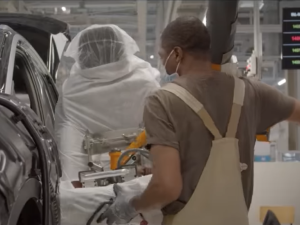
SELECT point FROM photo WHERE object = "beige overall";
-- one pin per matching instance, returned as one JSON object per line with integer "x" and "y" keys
{"x": 218, "y": 198}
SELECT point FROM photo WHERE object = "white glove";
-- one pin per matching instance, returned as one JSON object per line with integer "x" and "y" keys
{"x": 121, "y": 211}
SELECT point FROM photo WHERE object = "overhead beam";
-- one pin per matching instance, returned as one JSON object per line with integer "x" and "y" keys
{"x": 8, "y": 7}
{"x": 103, "y": 19}
{"x": 126, "y": 27}
{"x": 74, "y": 4}
{"x": 159, "y": 25}
{"x": 172, "y": 10}
{"x": 20, "y": 6}
{"x": 161, "y": 9}
{"x": 194, "y": 8}
{"x": 142, "y": 26}
{"x": 258, "y": 51}
{"x": 264, "y": 28}
{"x": 250, "y": 4}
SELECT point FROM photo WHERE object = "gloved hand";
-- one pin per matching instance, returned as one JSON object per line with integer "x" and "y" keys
{"x": 121, "y": 211}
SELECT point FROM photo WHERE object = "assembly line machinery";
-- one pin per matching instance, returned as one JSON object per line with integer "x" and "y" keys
{"x": 125, "y": 148}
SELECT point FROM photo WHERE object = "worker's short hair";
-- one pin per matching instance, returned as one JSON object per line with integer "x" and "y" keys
{"x": 188, "y": 33}
{"x": 99, "y": 46}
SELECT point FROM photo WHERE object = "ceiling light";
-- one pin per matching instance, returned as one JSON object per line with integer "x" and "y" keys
{"x": 281, "y": 82}
{"x": 63, "y": 8}
{"x": 151, "y": 56}
{"x": 204, "y": 21}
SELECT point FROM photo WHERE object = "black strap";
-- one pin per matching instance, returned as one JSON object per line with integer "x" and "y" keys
{"x": 91, "y": 219}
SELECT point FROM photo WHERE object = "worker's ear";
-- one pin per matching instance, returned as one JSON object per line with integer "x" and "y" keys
{"x": 178, "y": 54}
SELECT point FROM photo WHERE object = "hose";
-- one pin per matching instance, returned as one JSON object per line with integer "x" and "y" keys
{"x": 145, "y": 153}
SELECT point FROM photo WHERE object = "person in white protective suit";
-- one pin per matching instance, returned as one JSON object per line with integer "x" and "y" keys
{"x": 106, "y": 91}
{"x": 63, "y": 71}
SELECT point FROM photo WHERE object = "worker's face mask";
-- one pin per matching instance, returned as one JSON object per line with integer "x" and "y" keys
{"x": 167, "y": 78}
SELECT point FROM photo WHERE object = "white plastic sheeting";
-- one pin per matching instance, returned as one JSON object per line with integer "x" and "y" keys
{"x": 78, "y": 205}
{"x": 63, "y": 71}
{"x": 100, "y": 45}
{"x": 106, "y": 91}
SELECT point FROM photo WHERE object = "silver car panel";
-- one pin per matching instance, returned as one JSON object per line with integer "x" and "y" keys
{"x": 11, "y": 63}
{"x": 44, "y": 88}
{"x": 24, "y": 151}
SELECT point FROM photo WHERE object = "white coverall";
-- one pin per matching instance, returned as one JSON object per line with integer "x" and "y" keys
{"x": 106, "y": 91}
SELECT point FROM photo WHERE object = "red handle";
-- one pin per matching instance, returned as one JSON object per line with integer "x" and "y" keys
{"x": 144, "y": 222}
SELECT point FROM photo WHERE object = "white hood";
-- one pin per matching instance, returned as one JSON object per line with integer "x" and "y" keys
{"x": 100, "y": 99}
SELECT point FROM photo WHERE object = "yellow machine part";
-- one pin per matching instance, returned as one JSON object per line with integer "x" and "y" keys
{"x": 259, "y": 137}
{"x": 216, "y": 67}
{"x": 139, "y": 142}
{"x": 264, "y": 137}
{"x": 114, "y": 157}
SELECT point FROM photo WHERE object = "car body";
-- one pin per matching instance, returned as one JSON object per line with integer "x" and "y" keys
{"x": 29, "y": 61}
{"x": 29, "y": 167}
{"x": 29, "y": 163}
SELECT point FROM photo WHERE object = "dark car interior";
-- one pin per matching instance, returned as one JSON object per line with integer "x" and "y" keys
{"x": 40, "y": 43}
{"x": 23, "y": 87}
{"x": 20, "y": 88}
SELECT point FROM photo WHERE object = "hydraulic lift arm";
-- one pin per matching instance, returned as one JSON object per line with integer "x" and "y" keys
{"x": 221, "y": 22}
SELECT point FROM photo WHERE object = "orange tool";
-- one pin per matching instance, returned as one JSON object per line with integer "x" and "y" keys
{"x": 114, "y": 157}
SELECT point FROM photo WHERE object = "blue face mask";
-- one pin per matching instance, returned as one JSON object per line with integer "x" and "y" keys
{"x": 166, "y": 78}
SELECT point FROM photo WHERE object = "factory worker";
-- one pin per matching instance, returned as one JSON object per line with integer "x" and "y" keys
{"x": 201, "y": 130}
{"x": 106, "y": 91}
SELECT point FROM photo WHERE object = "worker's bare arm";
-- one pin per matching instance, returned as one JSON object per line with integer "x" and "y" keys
{"x": 272, "y": 106}
{"x": 295, "y": 116}
{"x": 166, "y": 183}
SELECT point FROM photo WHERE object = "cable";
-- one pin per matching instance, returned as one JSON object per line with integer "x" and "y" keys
{"x": 100, "y": 207}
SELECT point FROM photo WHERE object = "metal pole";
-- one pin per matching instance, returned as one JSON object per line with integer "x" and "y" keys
{"x": 292, "y": 87}
{"x": 142, "y": 26}
{"x": 257, "y": 37}
{"x": 160, "y": 25}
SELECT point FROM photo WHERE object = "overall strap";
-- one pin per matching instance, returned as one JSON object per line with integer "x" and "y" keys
{"x": 195, "y": 105}
{"x": 238, "y": 102}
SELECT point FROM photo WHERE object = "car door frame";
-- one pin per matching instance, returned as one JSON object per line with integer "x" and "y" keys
{"x": 51, "y": 60}
{"x": 17, "y": 42}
